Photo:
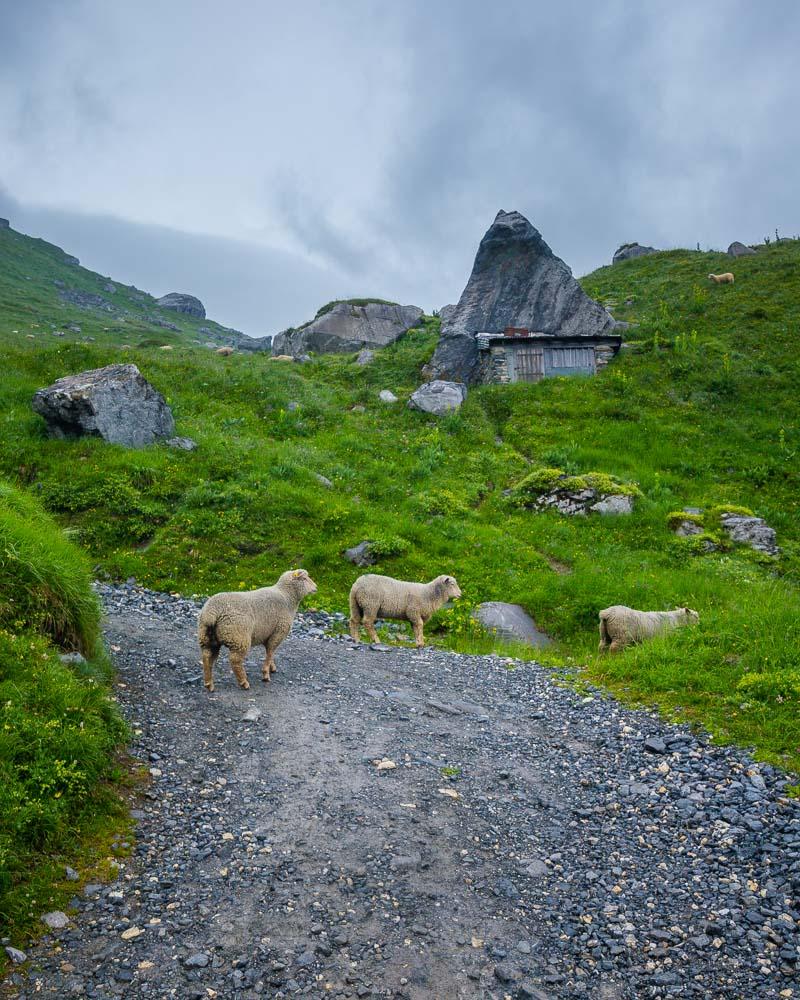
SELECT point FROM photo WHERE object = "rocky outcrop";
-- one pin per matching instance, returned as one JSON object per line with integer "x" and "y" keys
{"x": 4, "y": 224}
{"x": 115, "y": 403}
{"x": 446, "y": 313}
{"x": 182, "y": 303}
{"x": 511, "y": 622}
{"x": 517, "y": 281}
{"x": 752, "y": 531}
{"x": 737, "y": 249}
{"x": 630, "y": 250}
{"x": 349, "y": 327}
{"x": 438, "y": 397}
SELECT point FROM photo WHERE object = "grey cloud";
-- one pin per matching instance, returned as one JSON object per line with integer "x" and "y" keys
{"x": 365, "y": 149}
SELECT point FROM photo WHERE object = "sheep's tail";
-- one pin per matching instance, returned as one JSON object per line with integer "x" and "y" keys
{"x": 355, "y": 608}
{"x": 207, "y": 633}
{"x": 605, "y": 638}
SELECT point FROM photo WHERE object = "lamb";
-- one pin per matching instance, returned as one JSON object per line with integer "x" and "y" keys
{"x": 722, "y": 279}
{"x": 373, "y": 596}
{"x": 255, "y": 618}
{"x": 224, "y": 351}
{"x": 621, "y": 626}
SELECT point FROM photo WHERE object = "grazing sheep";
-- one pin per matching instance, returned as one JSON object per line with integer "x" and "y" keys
{"x": 373, "y": 596}
{"x": 225, "y": 351}
{"x": 722, "y": 279}
{"x": 281, "y": 357}
{"x": 165, "y": 347}
{"x": 621, "y": 626}
{"x": 256, "y": 618}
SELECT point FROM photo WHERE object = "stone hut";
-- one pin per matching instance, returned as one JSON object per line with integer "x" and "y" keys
{"x": 517, "y": 354}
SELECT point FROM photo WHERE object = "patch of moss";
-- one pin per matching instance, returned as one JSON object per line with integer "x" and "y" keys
{"x": 715, "y": 513}
{"x": 677, "y": 517}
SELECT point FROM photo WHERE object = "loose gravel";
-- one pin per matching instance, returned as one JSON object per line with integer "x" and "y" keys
{"x": 518, "y": 839}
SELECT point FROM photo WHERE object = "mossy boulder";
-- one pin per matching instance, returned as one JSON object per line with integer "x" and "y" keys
{"x": 590, "y": 493}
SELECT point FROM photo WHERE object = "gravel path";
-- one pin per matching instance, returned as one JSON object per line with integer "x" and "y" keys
{"x": 529, "y": 843}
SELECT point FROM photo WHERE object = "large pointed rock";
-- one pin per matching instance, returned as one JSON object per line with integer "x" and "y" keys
{"x": 348, "y": 326}
{"x": 516, "y": 281}
{"x": 116, "y": 403}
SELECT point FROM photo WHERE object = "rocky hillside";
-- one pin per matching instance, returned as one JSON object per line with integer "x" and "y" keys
{"x": 45, "y": 293}
{"x": 297, "y": 463}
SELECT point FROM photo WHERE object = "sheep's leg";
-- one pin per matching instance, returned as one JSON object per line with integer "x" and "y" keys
{"x": 270, "y": 646}
{"x": 210, "y": 656}
{"x": 419, "y": 638}
{"x": 616, "y": 646}
{"x": 369, "y": 625}
{"x": 355, "y": 629}
{"x": 237, "y": 666}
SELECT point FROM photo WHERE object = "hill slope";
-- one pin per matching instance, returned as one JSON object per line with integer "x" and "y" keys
{"x": 701, "y": 410}
{"x": 44, "y": 290}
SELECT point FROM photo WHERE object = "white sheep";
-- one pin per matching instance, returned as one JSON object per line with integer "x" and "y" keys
{"x": 621, "y": 626}
{"x": 225, "y": 351}
{"x": 255, "y": 618}
{"x": 722, "y": 279}
{"x": 373, "y": 596}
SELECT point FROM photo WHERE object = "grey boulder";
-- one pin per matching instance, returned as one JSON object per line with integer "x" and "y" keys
{"x": 752, "y": 531}
{"x": 182, "y": 303}
{"x": 115, "y": 403}
{"x": 737, "y": 249}
{"x": 518, "y": 281}
{"x": 613, "y": 503}
{"x": 446, "y": 313}
{"x": 349, "y": 327}
{"x": 438, "y": 397}
{"x": 365, "y": 357}
{"x": 182, "y": 443}
{"x": 55, "y": 920}
{"x": 360, "y": 555}
{"x": 630, "y": 250}
{"x": 387, "y": 396}
{"x": 511, "y": 622}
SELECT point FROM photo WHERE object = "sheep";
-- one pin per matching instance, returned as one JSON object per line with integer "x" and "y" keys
{"x": 224, "y": 351}
{"x": 373, "y": 596}
{"x": 281, "y": 357}
{"x": 621, "y": 626}
{"x": 722, "y": 279}
{"x": 255, "y": 618}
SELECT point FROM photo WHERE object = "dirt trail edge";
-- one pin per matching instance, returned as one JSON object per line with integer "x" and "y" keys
{"x": 530, "y": 842}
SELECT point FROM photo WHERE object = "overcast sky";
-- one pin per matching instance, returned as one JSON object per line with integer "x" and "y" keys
{"x": 268, "y": 156}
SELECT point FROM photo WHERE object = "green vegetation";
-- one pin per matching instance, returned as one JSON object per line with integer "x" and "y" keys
{"x": 700, "y": 410}
{"x": 59, "y": 729}
{"x": 542, "y": 481}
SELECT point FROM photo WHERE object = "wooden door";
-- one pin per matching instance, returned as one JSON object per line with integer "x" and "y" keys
{"x": 528, "y": 364}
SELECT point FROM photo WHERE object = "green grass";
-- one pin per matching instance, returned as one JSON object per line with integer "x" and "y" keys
{"x": 700, "y": 410}
{"x": 59, "y": 729}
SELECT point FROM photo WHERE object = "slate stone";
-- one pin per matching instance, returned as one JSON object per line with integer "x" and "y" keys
{"x": 115, "y": 403}
{"x": 752, "y": 531}
{"x": 360, "y": 555}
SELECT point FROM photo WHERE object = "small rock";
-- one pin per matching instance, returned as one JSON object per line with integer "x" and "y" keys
{"x": 197, "y": 961}
{"x": 71, "y": 874}
{"x": 253, "y": 714}
{"x": 387, "y": 396}
{"x": 72, "y": 658}
{"x": 323, "y": 480}
{"x": 182, "y": 443}
{"x": 16, "y": 956}
{"x": 56, "y": 920}
{"x": 360, "y": 555}
{"x": 365, "y": 357}
{"x": 654, "y": 744}
{"x": 506, "y": 973}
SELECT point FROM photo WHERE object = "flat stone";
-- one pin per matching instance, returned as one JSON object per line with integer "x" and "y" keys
{"x": 16, "y": 956}
{"x": 182, "y": 443}
{"x": 614, "y": 503}
{"x": 55, "y": 920}
{"x": 387, "y": 396}
{"x": 511, "y": 622}
{"x": 752, "y": 531}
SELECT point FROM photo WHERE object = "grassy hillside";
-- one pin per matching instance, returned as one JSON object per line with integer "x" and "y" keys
{"x": 44, "y": 296}
{"x": 58, "y": 727}
{"x": 701, "y": 409}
